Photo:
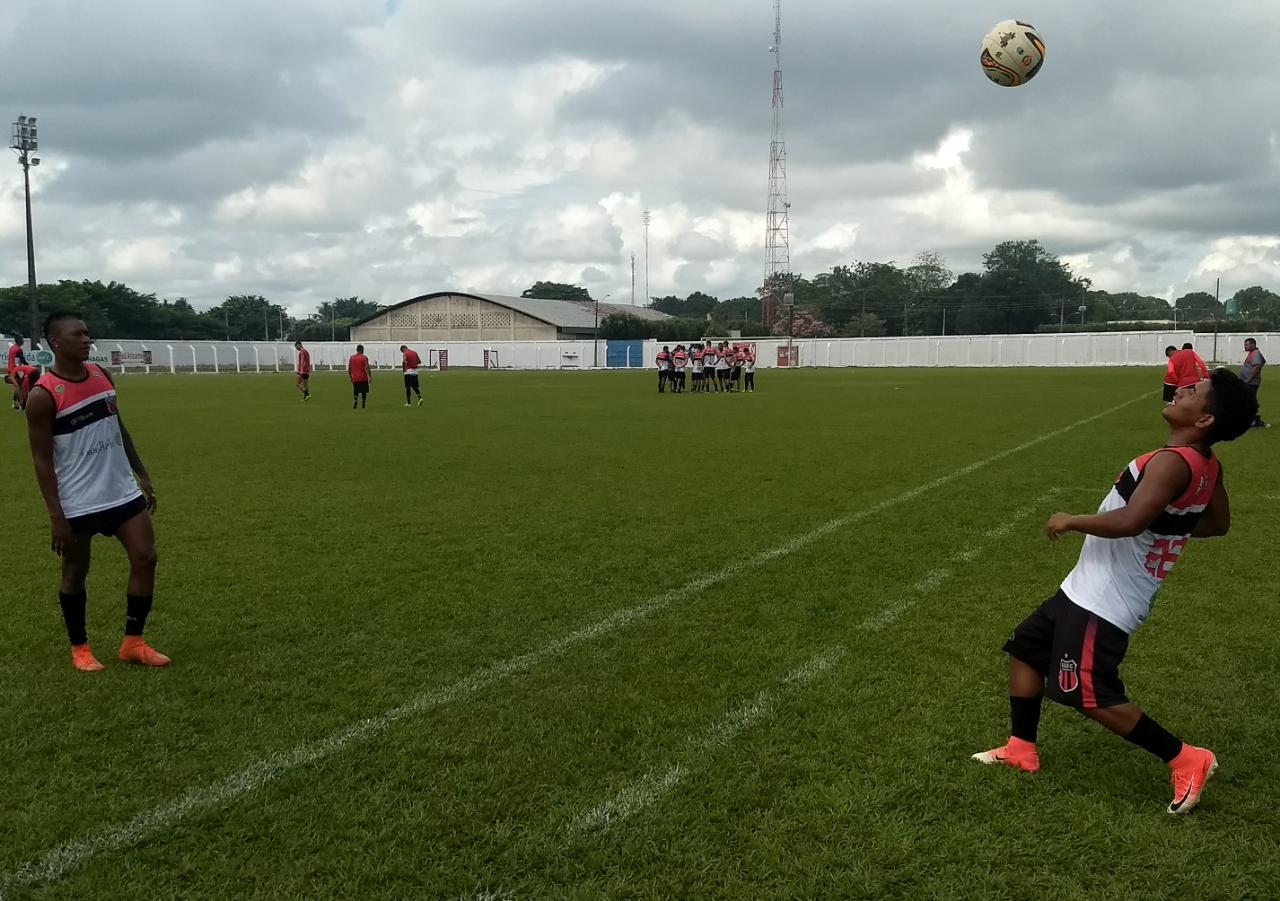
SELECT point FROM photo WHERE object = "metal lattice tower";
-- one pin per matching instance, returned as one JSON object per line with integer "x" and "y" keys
{"x": 777, "y": 238}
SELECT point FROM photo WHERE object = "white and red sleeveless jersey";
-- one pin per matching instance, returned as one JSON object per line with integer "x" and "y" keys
{"x": 1117, "y": 578}
{"x": 89, "y": 461}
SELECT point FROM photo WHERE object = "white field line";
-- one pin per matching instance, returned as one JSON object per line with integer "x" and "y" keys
{"x": 934, "y": 579}
{"x": 57, "y": 862}
{"x": 651, "y": 787}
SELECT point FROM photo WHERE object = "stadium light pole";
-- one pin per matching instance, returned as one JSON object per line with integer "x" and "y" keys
{"x": 25, "y": 141}
{"x": 595, "y": 348}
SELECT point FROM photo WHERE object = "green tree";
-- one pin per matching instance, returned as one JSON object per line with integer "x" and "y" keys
{"x": 1256, "y": 302}
{"x": 1198, "y": 305}
{"x": 250, "y": 317}
{"x": 556, "y": 291}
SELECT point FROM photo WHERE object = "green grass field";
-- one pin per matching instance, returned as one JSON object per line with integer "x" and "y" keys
{"x": 553, "y": 635}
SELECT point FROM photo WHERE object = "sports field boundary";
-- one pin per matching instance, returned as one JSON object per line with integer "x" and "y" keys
{"x": 63, "y": 859}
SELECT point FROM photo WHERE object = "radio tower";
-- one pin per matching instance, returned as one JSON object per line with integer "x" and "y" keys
{"x": 777, "y": 239}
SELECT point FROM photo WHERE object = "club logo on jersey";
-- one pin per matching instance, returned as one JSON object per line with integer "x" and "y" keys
{"x": 1068, "y": 677}
{"x": 111, "y": 405}
{"x": 58, "y": 389}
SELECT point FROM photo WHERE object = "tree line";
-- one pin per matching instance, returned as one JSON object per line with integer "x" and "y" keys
{"x": 116, "y": 310}
{"x": 1022, "y": 288}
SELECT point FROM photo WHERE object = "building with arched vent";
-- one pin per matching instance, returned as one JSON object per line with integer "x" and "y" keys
{"x": 458, "y": 316}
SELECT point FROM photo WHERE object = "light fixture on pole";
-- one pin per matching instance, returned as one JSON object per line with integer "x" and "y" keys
{"x": 25, "y": 141}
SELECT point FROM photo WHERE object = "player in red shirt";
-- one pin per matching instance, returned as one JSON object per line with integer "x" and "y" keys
{"x": 410, "y": 363}
{"x": 303, "y": 370}
{"x": 24, "y": 379}
{"x": 361, "y": 374}
{"x": 16, "y": 357}
{"x": 1187, "y": 366}
{"x": 1170, "y": 376}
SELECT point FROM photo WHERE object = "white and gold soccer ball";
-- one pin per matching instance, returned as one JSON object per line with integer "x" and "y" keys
{"x": 1012, "y": 53}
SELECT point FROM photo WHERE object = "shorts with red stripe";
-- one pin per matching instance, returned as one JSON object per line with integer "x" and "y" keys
{"x": 1078, "y": 653}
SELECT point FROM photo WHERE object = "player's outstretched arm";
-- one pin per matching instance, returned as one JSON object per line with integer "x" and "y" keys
{"x": 40, "y": 415}
{"x": 1216, "y": 518}
{"x": 1164, "y": 478}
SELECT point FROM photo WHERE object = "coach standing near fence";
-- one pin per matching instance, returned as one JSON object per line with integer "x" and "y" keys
{"x": 1251, "y": 375}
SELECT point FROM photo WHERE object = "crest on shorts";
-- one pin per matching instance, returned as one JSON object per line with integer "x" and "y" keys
{"x": 1068, "y": 675}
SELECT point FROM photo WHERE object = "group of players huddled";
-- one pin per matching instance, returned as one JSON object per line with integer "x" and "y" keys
{"x": 719, "y": 367}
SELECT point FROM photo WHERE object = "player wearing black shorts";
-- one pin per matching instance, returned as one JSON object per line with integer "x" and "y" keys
{"x": 1071, "y": 647}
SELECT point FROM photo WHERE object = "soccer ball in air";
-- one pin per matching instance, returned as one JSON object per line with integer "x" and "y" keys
{"x": 1012, "y": 53}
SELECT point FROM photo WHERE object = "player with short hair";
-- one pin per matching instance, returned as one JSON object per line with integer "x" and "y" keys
{"x": 302, "y": 370}
{"x": 15, "y": 358}
{"x": 1074, "y": 642}
{"x": 664, "y": 367}
{"x": 739, "y": 357}
{"x": 410, "y": 362}
{"x": 360, "y": 373}
{"x": 696, "y": 356}
{"x": 1187, "y": 366}
{"x": 679, "y": 360}
{"x": 86, "y": 464}
{"x": 709, "y": 358}
{"x": 1251, "y": 375}
{"x": 723, "y": 366}
{"x": 749, "y": 367}
{"x": 1170, "y": 375}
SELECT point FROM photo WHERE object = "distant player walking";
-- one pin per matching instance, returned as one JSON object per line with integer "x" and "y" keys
{"x": 85, "y": 466}
{"x": 302, "y": 370}
{"x": 1170, "y": 374}
{"x": 1251, "y": 375}
{"x": 15, "y": 358}
{"x": 410, "y": 363}
{"x": 359, "y": 372}
{"x": 1071, "y": 647}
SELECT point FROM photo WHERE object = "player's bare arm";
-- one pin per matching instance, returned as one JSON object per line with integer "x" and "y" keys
{"x": 1163, "y": 480}
{"x": 1215, "y": 521}
{"x": 40, "y": 415}
{"x": 135, "y": 462}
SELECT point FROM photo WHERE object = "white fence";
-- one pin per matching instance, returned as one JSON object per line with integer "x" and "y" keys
{"x": 1066, "y": 350}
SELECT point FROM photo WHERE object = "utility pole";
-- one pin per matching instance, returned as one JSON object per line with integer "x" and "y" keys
{"x": 777, "y": 223}
{"x": 633, "y": 279}
{"x": 25, "y": 141}
{"x": 647, "y": 297}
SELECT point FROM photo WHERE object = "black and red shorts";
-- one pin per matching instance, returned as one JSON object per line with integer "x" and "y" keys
{"x": 1168, "y": 392}
{"x": 1077, "y": 652}
{"x": 360, "y": 389}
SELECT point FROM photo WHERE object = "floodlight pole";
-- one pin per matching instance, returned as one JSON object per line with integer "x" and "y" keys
{"x": 25, "y": 141}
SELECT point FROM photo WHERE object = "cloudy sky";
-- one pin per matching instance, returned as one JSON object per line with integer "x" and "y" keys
{"x": 305, "y": 149}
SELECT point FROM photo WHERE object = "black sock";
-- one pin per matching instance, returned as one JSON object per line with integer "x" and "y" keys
{"x": 137, "y": 607}
{"x": 73, "y": 607}
{"x": 1024, "y": 714}
{"x": 1151, "y": 736}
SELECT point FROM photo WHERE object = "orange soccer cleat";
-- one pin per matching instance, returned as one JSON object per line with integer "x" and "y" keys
{"x": 135, "y": 650}
{"x": 82, "y": 659}
{"x": 1015, "y": 753}
{"x": 1190, "y": 770}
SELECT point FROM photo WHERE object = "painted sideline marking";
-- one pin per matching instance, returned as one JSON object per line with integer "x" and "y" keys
{"x": 57, "y": 862}
{"x": 934, "y": 579}
{"x": 648, "y": 789}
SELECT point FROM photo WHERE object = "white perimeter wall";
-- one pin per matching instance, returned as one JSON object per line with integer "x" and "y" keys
{"x": 1070, "y": 349}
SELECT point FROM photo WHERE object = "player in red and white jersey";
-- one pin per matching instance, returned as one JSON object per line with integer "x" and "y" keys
{"x": 302, "y": 370}
{"x": 664, "y": 368}
{"x": 1071, "y": 647}
{"x": 410, "y": 362}
{"x": 85, "y": 465}
{"x": 679, "y": 360}
{"x": 696, "y": 357}
{"x": 24, "y": 379}
{"x": 15, "y": 357}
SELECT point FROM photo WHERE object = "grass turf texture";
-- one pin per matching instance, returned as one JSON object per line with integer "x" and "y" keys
{"x": 320, "y": 566}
